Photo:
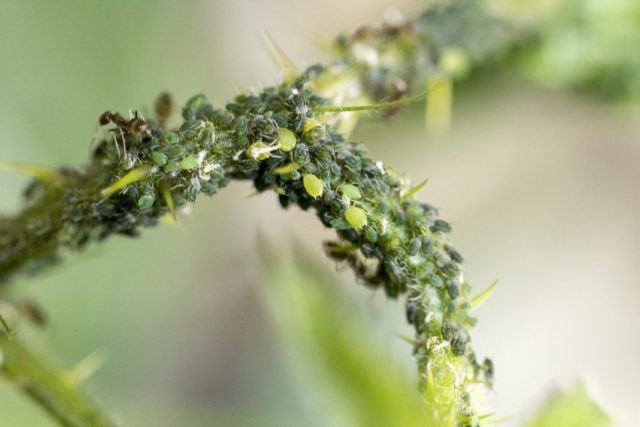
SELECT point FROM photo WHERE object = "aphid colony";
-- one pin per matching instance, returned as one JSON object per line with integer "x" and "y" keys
{"x": 276, "y": 140}
{"x": 281, "y": 140}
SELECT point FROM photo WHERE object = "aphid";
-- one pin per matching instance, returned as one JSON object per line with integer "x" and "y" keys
{"x": 459, "y": 343}
{"x": 351, "y": 191}
{"x": 371, "y": 234}
{"x": 159, "y": 158}
{"x": 301, "y": 153}
{"x": 448, "y": 330}
{"x": 427, "y": 245}
{"x": 188, "y": 163}
{"x": 488, "y": 368}
{"x": 450, "y": 269}
{"x": 286, "y": 140}
{"x": 411, "y": 309}
{"x": 414, "y": 246}
{"x": 163, "y": 107}
{"x": 440, "y": 225}
{"x": 453, "y": 253}
{"x": 313, "y": 185}
{"x": 192, "y": 106}
{"x": 453, "y": 289}
{"x": 242, "y": 125}
{"x": 146, "y": 201}
{"x": 356, "y": 216}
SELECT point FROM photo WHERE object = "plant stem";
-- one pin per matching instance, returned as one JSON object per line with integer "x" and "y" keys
{"x": 393, "y": 241}
{"x": 48, "y": 386}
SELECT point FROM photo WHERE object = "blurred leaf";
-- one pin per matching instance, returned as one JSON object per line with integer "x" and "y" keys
{"x": 366, "y": 388}
{"x": 574, "y": 408}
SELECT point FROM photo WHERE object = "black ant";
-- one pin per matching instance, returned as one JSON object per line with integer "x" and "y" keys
{"x": 135, "y": 125}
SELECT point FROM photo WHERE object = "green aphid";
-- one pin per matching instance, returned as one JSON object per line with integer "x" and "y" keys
{"x": 159, "y": 158}
{"x": 196, "y": 102}
{"x": 171, "y": 138}
{"x": 356, "y": 216}
{"x": 414, "y": 246}
{"x": 146, "y": 201}
{"x": 371, "y": 234}
{"x": 172, "y": 166}
{"x": 174, "y": 151}
{"x": 351, "y": 191}
{"x": 313, "y": 185}
{"x": 207, "y": 137}
{"x": 286, "y": 140}
{"x": 189, "y": 162}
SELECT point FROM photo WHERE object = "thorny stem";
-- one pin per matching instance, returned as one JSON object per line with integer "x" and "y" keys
{"x": 290, "y": 139}
{"x": 51, "y": 388}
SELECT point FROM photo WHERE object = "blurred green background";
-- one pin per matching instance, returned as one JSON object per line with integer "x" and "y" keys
{"x": 540, "y": 186}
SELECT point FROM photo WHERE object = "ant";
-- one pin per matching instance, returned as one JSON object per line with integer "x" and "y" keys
{"x": 163, "y": 107}
{"x": 135, "y": 125}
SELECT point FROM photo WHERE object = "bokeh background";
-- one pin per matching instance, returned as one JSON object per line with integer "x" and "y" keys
{"x": 541, "y": 187}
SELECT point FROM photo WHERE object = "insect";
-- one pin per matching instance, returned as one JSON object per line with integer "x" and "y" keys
{"x": 34, "y": 313}
{"x": 135, "y": 125}
{"x": 163, "y": 107}
{"x": 341, "y": 252}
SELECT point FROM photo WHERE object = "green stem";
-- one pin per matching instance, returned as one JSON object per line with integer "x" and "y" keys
{"x": 48, "y": 386}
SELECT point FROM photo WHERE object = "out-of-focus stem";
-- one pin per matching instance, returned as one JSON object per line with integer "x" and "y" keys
{"x": 48, "y": 386}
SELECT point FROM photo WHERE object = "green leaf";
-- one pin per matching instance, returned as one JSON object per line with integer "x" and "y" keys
{"x": 574, "y": 408}
{"x": 364, "y": 386}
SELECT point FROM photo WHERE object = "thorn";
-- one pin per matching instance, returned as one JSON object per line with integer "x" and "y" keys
{"x": 439, "y": 105}
{"x": 10, "y": 332}
{"x": 166, "y": 194}
{"x": 406, "y": 338}
{"x": 320, "y": 41}
{"x": 288, "y": 168}
{"x": 415, "y": 189}
{"x": 133, "y": 176}
{"x": 87, "y": 367}
{"x": 281, "y": 59}
{"x": 236, "y": 88}
{"x": 495, "y": 420}
{"x": 384, "y": 105}
{"x": 482, "y": 296}
{"x": 252, "y": 194}
{"x": 47, "y": 175}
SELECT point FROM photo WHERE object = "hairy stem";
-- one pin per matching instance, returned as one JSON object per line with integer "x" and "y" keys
{"x": 49, "y": 387}
{"x": 292, "y": 139}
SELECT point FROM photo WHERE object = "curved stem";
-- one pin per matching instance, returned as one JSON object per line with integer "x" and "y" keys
{"x": 285, "y": 139}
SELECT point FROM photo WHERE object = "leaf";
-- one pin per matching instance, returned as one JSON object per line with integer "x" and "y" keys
{"x": 365, "y": 386}
{"x": 573, "y": 408}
